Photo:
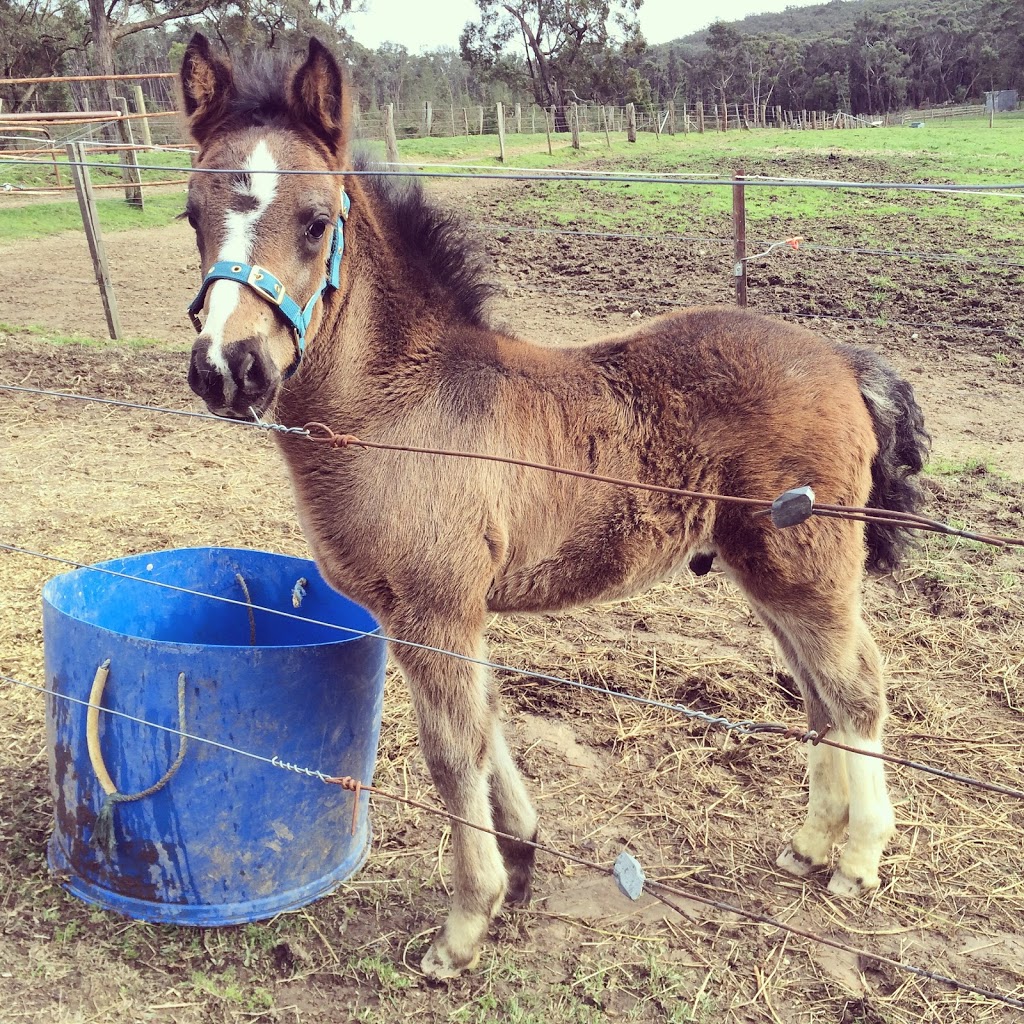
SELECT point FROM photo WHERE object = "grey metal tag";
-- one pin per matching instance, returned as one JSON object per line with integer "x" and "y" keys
{"x": 629, "y": 875}
{"x": 793, "y": 507}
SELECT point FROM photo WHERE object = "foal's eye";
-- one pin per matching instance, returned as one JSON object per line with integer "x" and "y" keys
{"x": 192, "y": 223}
{"x": 316, "y": 230}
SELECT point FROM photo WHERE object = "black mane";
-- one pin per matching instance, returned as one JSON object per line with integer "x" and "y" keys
{"x": 261, "y": 91}
{"x": 435, "y": 240}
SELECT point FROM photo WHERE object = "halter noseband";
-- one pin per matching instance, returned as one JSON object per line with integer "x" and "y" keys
{"x": 268, "y": 287}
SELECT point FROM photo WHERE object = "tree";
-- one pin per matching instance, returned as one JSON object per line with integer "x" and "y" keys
{"x": 767, "y": 58}
{"x": 726, "y": 49}
{"x": 110, "y": 21}
{"x": 563, "y": 40}
{"x": 35, "y": 36}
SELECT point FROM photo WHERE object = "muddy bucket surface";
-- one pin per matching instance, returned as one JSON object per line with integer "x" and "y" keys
{"x": 226, "y": 838}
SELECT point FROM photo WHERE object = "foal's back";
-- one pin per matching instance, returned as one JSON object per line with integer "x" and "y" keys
{"x": 710, "y": 399}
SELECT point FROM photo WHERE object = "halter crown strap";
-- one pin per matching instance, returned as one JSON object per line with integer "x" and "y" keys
{"x": 269, "y": 288}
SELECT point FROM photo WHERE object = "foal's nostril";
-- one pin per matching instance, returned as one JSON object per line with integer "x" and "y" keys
{"x": 245, "y": 370}
{"x": 203, "y": 377}
{"x": 243, "y": 375}
{"x": 254, "y": 370}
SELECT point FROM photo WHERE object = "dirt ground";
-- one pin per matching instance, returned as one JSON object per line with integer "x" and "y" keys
{"x": 706, "y": 812}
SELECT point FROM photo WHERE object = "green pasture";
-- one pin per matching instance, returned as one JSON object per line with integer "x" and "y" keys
{"x": 967, "y": 152}
{"x": 942, "y": 152}
{"x": 956, "y": 150}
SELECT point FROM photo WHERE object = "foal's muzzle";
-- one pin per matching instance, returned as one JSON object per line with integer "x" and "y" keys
{"x": 241, "y": 378}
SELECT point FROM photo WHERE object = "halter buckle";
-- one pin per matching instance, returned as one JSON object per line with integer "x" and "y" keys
{"x": 263, "y": 281}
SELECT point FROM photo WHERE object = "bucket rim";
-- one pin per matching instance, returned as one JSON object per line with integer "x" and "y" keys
{"x": 346, "y": 634}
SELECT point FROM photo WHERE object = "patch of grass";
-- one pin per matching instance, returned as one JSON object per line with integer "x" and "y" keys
{"x": 226, "y": 988}
{"x": 382, "y": 973}
{"x": 38, "y": 171}
{"x": 48, "y": 335}
{"x": 961, "y": 151}
{"x": 38, "y": 220}
{"x": 972, "y": 466}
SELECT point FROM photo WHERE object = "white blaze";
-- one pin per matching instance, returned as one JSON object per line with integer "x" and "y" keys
{"x": 239, "y": 239}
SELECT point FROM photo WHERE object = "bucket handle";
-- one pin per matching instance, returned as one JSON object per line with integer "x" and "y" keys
{"x": 103, "y": 829}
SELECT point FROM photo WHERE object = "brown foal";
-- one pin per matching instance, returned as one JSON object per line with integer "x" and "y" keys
{"x": 400, "y": 350}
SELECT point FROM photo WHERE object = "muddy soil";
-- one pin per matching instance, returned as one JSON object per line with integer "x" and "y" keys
{"x": 86, "y": 482}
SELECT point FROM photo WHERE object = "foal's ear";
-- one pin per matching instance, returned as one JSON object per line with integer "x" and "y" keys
{"x": 207, "y": 87}
{"x": 317, "y": 96}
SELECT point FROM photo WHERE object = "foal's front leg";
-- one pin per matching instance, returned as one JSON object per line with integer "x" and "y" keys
{"x": 457, "y": 711}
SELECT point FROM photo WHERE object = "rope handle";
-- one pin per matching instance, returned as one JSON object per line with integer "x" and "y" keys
{"x": 103, "y": 829}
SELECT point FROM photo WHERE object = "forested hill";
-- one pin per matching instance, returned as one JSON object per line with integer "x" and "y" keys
{"x": 860, "y": 56}
{"x": 856, "y": 55}
{"x": 836, "y": 20}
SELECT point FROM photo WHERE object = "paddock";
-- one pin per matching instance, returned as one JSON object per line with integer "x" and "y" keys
{"x": 697, "y": 807}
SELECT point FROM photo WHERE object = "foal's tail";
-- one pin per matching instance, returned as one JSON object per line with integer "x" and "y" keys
{"x": 903, "y": 446}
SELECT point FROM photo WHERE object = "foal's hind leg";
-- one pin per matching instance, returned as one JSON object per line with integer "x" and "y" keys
{"x": 513, "y": 814}
{"x": 456, "y": 707}
{"x": 838, "y": 667}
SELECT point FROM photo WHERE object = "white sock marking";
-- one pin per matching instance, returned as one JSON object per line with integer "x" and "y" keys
{"x": 871, "y": 813}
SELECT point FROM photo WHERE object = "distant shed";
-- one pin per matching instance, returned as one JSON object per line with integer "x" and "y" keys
{"x": 1005, "y": 99}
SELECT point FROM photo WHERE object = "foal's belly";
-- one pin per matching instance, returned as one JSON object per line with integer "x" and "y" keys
{"x": 575, "y": 578}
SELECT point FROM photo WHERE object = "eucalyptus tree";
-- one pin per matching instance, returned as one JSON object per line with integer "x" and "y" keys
{"x": 563, "y": 41}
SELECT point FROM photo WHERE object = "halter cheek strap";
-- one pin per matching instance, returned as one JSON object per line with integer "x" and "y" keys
{"x": 269, "y": 288}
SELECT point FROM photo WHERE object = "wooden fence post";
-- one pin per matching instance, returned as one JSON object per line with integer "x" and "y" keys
{"x": 631, "y": 122}
{"x": 519, "y": 119}
{"x": 739, "y": 236}
{"x": 671, "y": 117}
{"x": 130, "y": 168}
{"x": 700, "y": 117}
{"x": 604, "y": 117}
{"x": 428, "y": 118}
{"x": 480, "y": 113}
{"x": 547, "y": 129}
{"x": 574, "y": 125}
{"x": 87, "y": 207}
{"x": 533, "y": 118}
{"x": 140, "y": 108}
{"x": 465, "y": 118}
{"x": 390, "y": 142}
{"x": 500, "y": 107}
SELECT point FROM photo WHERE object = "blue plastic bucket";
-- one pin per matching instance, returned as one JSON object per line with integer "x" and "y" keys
{"x": 228, "y": 838}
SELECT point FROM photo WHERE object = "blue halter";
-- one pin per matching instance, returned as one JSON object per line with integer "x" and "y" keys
{"x": 268, "y": 287}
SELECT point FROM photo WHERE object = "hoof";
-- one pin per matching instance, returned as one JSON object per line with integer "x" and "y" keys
{"x": 843, "y": 885}
{"x": 519, "y": 863}
{"x": 797, "y": 863}
{"x": 520, "y": 890}
{"x": 439, "y": 964}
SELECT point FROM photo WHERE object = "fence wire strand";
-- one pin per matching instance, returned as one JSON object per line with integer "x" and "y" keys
{"x": 1011, "y": 190}
{"x": 742, "y": 727}
{"x": 660, "y": 890}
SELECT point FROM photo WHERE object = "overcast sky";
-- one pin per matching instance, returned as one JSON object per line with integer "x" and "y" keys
{"x": 427, "y": 24}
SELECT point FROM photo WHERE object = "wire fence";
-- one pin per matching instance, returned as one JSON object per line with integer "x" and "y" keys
{"x": 659, "y": 889}
{"x": 317, "y": 433}
{"x": 422, "y": 170}
{"x": 736, "y": 727}
{"x": 1006, "y": 190}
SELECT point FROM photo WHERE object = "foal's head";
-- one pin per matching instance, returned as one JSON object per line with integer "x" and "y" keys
{"x": 264, "y": 236}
